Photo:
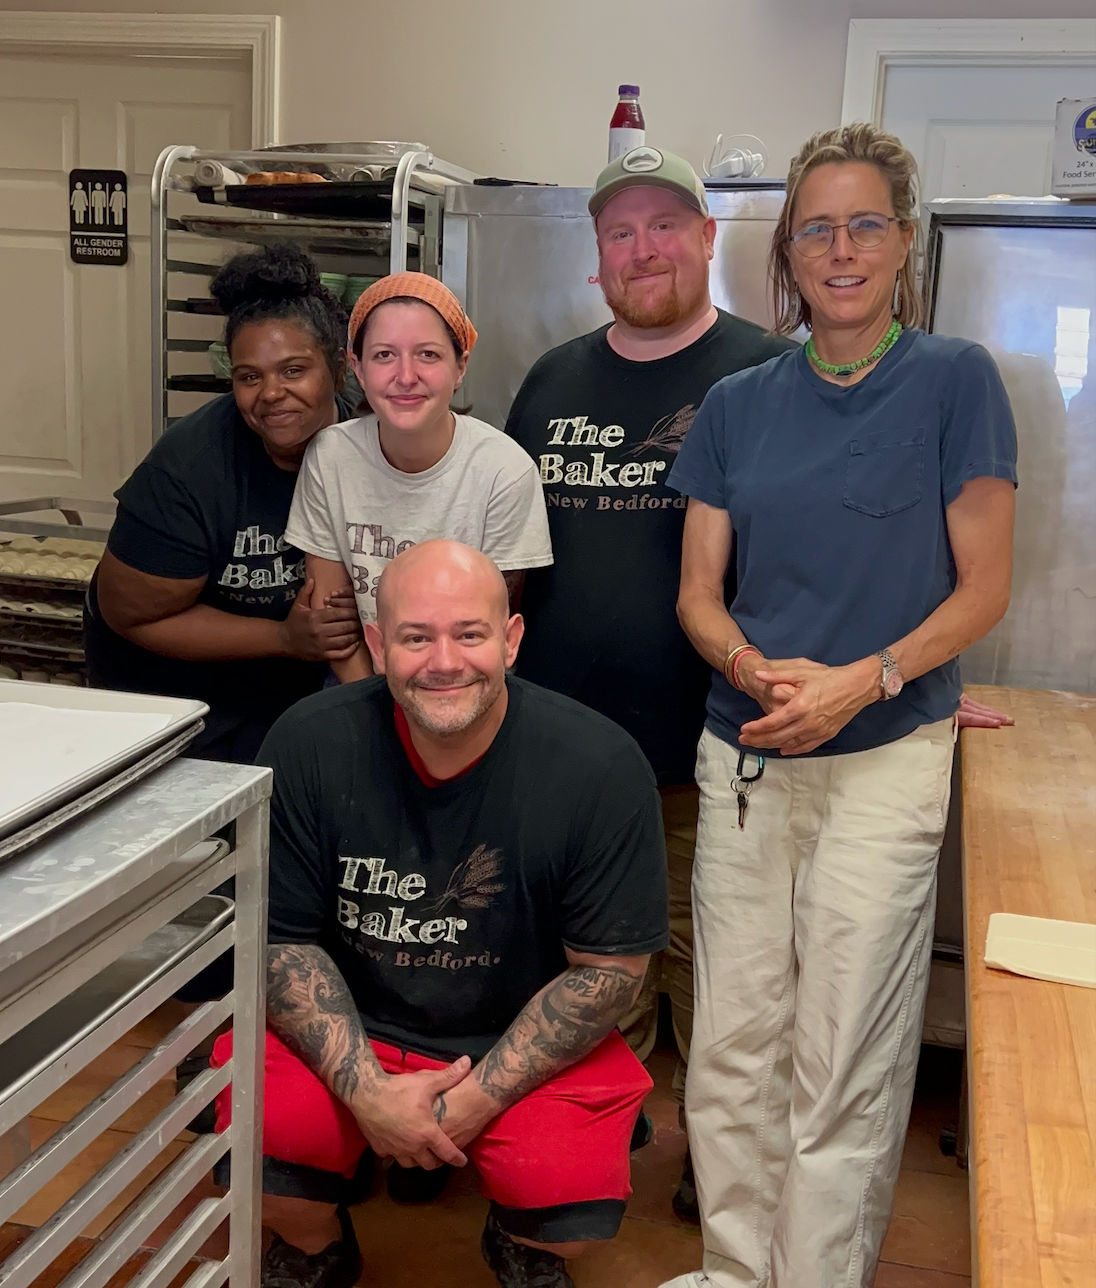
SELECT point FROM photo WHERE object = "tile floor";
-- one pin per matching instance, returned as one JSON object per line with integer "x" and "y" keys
{"x": 928, "y": 1245}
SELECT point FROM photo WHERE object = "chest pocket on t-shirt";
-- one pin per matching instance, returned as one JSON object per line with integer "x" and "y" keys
{"x": 884, "y": 474}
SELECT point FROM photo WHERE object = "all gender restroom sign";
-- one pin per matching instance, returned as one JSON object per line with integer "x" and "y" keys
{"x": 98, "y": 217}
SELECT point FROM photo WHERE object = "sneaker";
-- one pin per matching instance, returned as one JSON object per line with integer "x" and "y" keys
{"x": 416, "y": 1184}
{"x": 336, "y": 1266}
{"x": 685, "y": 1202}
{"x": 517, "y": 1266}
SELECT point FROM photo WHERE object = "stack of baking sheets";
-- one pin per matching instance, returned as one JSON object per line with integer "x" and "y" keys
{"x": 65, "y": 750}
{"x": 42, "y": 587}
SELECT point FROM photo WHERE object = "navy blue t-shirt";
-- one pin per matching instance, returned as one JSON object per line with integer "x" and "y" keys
{"x": 208, "y": 501}
{"x": 837, "y": 498}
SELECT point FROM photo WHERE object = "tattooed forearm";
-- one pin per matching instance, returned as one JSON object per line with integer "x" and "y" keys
{"x": 310, "y": 1008}
{"x": 560, "y": 1025}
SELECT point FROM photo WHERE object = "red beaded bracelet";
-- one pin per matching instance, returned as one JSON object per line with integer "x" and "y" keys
{"x": 734, "y": 668}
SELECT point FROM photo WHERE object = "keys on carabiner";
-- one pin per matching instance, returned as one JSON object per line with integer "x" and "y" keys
{"x": 742, "y": 785}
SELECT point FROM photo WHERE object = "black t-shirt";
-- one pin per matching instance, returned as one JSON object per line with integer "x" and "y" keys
{"x": 446, "y": 908}
{"x": 207, "y": 501}
{"x": 601, "y": 622}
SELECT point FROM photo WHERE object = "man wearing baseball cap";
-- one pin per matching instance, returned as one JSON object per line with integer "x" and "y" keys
{"x": 605, "y": 415}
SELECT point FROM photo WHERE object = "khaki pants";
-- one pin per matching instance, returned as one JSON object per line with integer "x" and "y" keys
{"x": 813, "y": 939}
{"x": 671, "y": 971}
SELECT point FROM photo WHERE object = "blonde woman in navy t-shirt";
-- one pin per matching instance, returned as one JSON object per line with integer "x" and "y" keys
{"x": 866, "y": 486}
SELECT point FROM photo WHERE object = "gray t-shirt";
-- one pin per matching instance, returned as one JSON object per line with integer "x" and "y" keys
{"x": 352, "y": 506}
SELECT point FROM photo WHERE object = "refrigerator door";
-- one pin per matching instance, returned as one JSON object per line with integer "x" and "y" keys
{"x": 1020, "y": 278}
{"x": 1022, "y": 281}
{"x": 523, "y": 262}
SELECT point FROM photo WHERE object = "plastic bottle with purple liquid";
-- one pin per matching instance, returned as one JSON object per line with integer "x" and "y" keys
{"x": 626, "y": 129}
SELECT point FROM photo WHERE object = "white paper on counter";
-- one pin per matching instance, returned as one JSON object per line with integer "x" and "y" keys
{"x": 1063, "y": 952}
{"x": 43, "y": 748}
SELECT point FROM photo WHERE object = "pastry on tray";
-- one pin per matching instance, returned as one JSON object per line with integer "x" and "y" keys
{"x": 268, "y": 177}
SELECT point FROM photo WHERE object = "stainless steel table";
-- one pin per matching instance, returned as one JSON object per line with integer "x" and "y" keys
{"x": 103, "y": 922}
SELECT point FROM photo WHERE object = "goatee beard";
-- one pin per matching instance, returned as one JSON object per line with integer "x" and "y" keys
{"x": 446, "y": 724}
{"x": 668, "y": 311}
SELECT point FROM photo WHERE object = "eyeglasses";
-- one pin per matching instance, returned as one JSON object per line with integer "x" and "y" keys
{"x": 865, "y": 230}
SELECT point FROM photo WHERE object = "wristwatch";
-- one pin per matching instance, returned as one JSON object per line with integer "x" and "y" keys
{"x": 891, "y": 682}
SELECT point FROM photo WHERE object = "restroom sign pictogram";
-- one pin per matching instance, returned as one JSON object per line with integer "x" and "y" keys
{"x": 98, "y": 217}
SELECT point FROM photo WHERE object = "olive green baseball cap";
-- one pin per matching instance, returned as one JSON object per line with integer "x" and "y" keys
{"x": 648, "y": 167}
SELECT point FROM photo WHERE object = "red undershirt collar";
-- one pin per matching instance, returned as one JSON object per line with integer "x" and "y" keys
{"x": 417, "y": 762}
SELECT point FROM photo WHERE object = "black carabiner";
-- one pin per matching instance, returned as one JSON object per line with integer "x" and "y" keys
{"x": 742, "y": 765}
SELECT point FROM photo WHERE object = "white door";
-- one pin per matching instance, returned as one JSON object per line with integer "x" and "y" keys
{"x": 978, "y": 130}
{"x": 74, "y": 339}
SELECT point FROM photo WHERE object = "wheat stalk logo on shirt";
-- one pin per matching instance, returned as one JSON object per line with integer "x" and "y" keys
{"x": 668, "y": 433}
{"x": 472, "y": 884}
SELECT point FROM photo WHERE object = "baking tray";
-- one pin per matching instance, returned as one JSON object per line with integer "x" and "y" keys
{"x": 69, "y": 509}
{"x": 31, "y": 834}
{"x": 45, "y": 610}
{"x": 19, "y": 586}
{"x": 54, "y": 1033}
{"x": 373, "y": 239}
{"x": 199, "y": 383}
{"x": 186, "y": 716}
{"x": 197, "y": 305}
{"x": 318, "y": 200}
{"x": 40, "y": 630}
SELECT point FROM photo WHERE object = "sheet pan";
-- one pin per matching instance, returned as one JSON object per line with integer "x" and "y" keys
{"x": 185, "y": 718}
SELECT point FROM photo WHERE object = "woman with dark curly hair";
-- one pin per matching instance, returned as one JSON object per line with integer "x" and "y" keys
{"x": 865, "y": 485}
{"x": 198, "y": 594}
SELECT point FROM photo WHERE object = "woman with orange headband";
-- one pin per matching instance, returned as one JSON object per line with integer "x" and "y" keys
{"x": 412, "y": 469}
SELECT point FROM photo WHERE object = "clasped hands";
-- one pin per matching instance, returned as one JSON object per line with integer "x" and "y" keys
{"x": 423, "y": 1119}
{"x": 805, "y": 702}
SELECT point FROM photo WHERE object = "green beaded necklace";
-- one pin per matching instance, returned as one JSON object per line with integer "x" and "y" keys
{"x": 847, "y": 368}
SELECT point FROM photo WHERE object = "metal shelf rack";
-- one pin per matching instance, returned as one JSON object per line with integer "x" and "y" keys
{"x": 100, "y": 923}
{"x": 53, "y": 641}
{"x": 372, "y": 245}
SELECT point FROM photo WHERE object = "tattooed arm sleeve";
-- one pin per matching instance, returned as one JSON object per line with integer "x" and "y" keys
{"x": 560, "y": 1025}
{"x": 311, "y": 1009}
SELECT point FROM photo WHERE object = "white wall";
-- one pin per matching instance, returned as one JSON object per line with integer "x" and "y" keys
{"x": 524, "y": 88}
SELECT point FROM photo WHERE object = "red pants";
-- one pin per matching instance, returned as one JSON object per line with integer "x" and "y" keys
{"x": 564, "y": 1144}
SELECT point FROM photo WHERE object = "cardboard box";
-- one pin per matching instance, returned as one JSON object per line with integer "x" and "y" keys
{"x": 1074, "y": 170}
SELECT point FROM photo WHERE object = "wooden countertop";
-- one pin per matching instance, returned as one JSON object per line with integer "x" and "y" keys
{"x": 1029, "y": 846}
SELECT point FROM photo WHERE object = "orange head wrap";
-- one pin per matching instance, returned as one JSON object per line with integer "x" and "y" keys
{"x": 414, "y": 286}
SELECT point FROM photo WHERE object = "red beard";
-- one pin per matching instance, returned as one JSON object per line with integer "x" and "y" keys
{"x": 668, "y": 309}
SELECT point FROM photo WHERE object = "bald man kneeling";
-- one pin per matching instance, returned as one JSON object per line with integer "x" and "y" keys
{"x": 467, "y": 876}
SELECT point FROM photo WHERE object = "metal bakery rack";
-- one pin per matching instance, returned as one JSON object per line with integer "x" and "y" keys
{"x": 100, "y": 923}
{"x": 41, "y": 598}
{"x": 372, "y": 209}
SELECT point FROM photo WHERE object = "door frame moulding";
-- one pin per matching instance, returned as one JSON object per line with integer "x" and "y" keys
{"x": 258, "y": 35}
{"x": 876, "y": 44}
